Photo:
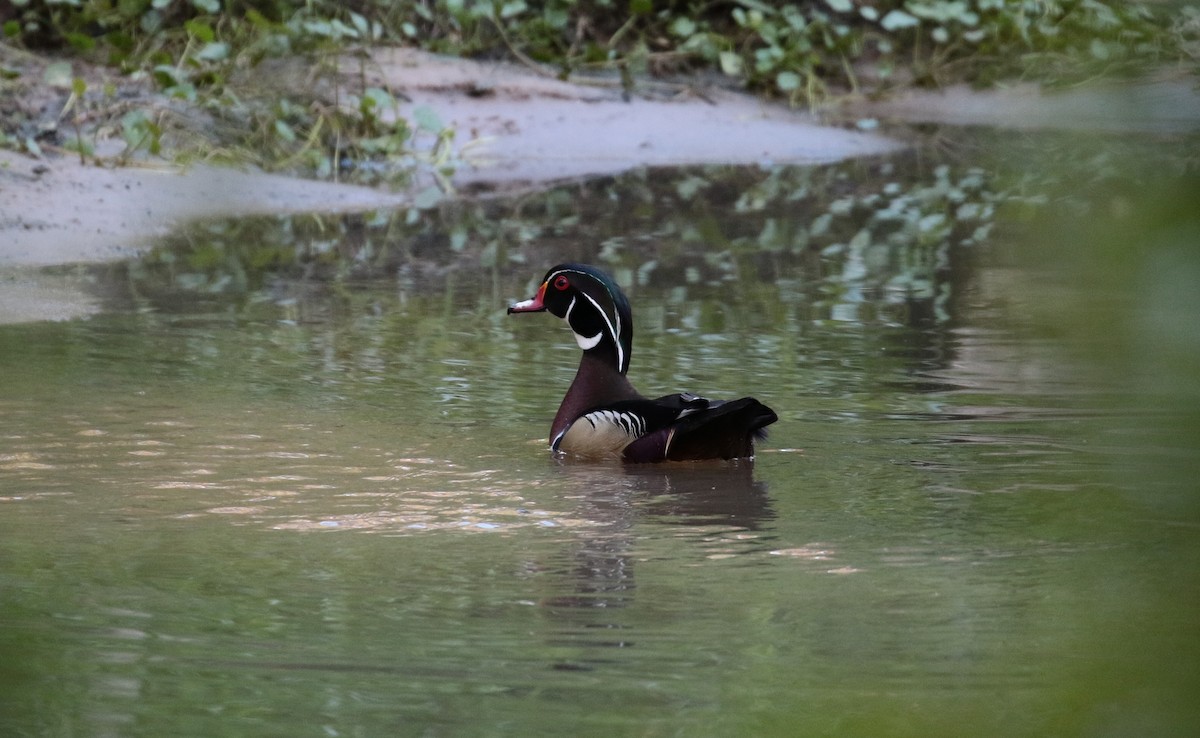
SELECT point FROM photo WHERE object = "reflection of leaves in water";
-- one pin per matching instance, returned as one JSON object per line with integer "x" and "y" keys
{"x": 879, "y": 241}
{"x": 839, "y": 238}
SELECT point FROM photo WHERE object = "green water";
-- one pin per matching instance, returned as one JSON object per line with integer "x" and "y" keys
{"x": 293, "y": 481}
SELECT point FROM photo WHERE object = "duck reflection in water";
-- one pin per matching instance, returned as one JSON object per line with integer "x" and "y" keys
{"x": 600, "y": 568}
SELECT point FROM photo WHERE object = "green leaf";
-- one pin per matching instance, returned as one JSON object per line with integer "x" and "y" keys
{"x": 212, "y": 7}
{"x": 257, "y": 19}
{"x": 458, "y": 239}
{"x": 79, "y": 145}
{"x": 820, "y": 224}
{"x": 731, "y": 63}
{"x": 81, "y": 41}
{"x": 182, "y": 91}
{"x": 214, "y": 52}
{"x": 768, "y": 238}
{"x": 513, "y": 7}
{"x": 139, "y": 131}
{"x": 931, "y": 222}
{"x": 150, "y": 22}
{"x": 683, "y": 27}
{"x": 761, "y": 7}
{"x": 840, "y": 6}
{"x": 377, "y": 98}
{"x": 285, "y": 131}
{"x": 688, "y": 188}
{"x": 556, "y": 17}
{"x": 201, "y": 30}
{"x": 896, "y": 20}
{"x": 318, "y": 28}
{"x": 58, "y": 75}
{"x": 842, "y": 206}
{"x": 487, "y": 255}
{"x": 427, "y": 120}
{"x": 787, "y": 81}
{"x": 341, "y": 30}
{"x": 167, "y": 74}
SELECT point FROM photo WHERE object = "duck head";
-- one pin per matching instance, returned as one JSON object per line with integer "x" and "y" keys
{"x": 593, "y": 305}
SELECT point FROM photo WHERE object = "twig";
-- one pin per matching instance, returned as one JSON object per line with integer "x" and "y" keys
{"x": 520, "y": 55}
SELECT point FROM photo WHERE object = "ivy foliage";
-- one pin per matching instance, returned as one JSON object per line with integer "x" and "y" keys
{"x": 770, "y": 45}
{"x": 195, "y": 51}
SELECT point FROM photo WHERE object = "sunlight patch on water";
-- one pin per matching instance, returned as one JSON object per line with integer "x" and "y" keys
{"x": 22, "y": 461}
{"x": 468, "y": 520}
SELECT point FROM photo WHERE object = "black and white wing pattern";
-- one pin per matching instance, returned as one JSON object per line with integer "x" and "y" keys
{"x": 608, "y": 431}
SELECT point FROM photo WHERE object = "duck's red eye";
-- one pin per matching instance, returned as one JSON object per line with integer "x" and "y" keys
{"x": 561, "y": 282}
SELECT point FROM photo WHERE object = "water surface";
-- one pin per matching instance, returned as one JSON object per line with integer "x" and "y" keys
{"x": 294, "y": 480}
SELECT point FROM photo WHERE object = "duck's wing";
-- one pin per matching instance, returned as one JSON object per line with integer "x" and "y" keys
{"x": 725, "y": 430}
{"x": 679, "y": 427}
{"x": 608, "y": 430}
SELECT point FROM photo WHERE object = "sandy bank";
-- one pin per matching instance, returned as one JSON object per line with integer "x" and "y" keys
{"x": 512, "y": 126}
{"x": 61, "y": 212}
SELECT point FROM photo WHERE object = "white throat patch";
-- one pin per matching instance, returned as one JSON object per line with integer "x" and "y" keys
{"x": 584, "y": 342}
{"x": 587, "y": 343}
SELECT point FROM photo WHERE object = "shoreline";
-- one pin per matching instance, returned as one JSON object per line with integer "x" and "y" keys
{"x": 514, "y": 130}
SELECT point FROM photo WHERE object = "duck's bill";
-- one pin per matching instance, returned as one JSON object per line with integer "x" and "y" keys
{"x": 534, "y": 304}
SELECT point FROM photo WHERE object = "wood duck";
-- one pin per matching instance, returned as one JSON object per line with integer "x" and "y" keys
{"x": 602, "y": 415}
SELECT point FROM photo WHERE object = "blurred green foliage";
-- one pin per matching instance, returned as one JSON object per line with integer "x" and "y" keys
{"x": 798, "y": 49}
{"x": 200, "y": 52}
